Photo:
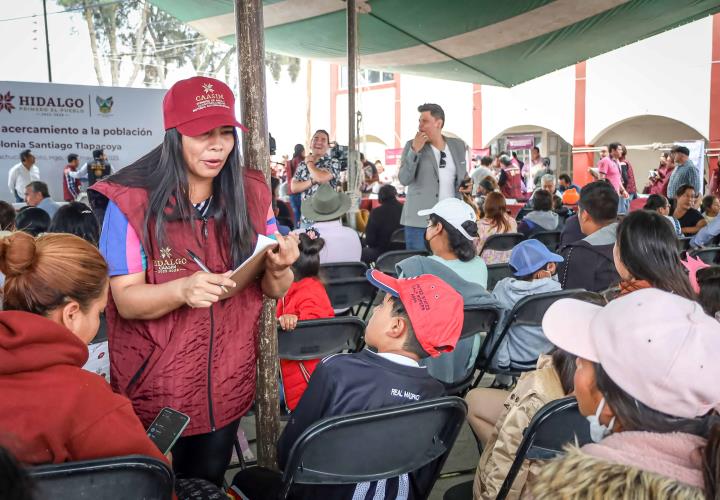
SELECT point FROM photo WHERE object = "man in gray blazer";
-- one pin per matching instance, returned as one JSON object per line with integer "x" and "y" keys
{"x": 432, "y": 167}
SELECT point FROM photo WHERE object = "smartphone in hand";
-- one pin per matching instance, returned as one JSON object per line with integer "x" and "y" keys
{"x": 167, "y": 428}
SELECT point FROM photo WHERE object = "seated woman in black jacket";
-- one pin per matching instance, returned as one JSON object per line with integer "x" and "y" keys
{"x": 383, "y": 222}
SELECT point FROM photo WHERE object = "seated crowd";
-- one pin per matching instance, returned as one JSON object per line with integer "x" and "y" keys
{"x": 635, "y": 340}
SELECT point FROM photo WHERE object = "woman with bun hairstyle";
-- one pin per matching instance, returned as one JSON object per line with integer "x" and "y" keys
{"x": 52, "y": 410}
{"x": 305, "y": 299}
{"x": 186, "y": 207}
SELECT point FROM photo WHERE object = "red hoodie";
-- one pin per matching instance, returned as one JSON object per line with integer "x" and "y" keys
{"x": 51, "y": 410}
{"x": 306, "y": 299}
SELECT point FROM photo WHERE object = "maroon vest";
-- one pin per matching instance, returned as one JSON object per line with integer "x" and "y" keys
{"x": 198, "y": 361}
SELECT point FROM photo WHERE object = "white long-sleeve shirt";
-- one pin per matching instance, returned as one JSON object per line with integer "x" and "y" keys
{"x": 19, "y": 177}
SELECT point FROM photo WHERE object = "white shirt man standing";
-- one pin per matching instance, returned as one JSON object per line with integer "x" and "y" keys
{"x": 22, "y": 174}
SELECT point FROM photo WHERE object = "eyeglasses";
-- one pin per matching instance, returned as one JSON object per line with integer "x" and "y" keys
{"x": 442, "y": 159}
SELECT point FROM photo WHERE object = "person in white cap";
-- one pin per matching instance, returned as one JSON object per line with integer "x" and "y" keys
{"x": 647, "y": 381}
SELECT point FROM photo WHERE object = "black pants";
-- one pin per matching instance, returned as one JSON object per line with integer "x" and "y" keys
{"x": 205, "y": 456}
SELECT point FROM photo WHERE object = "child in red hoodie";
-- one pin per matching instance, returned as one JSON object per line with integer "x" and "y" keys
{"x": 306, "y": 299}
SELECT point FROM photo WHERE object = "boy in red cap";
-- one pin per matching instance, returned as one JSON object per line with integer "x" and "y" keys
{"x": 418, "y": 317}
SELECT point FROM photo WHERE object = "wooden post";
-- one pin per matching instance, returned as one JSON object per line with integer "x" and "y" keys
{"x": 249, "y": 37}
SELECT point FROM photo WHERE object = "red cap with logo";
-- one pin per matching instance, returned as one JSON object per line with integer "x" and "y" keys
{"x": 435, "y": 309}
{"x": 198, "y": 105}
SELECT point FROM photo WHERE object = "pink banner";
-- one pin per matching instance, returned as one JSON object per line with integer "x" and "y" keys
{"x": 515, "y": 142}
{"x": 392, "y": 156}
{"x": 480, "y": 152}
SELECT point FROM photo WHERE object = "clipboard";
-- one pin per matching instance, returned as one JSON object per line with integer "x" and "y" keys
{"x": 253, "y": 266}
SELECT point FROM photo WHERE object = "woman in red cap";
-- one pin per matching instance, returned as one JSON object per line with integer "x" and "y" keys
{"x": 173, "y": 341}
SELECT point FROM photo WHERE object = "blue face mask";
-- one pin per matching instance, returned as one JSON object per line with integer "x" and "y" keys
{"x": 597, "y": 430}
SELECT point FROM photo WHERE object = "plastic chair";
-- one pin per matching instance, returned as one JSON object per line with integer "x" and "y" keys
{"x": 550, "y": 239}
{"x": 385, "y": 444}
{"x": 710, "y": 255}
{"x": 117, "y": 478}
{"x": 496, "y": 272}
{"x": 317, "y": 338}
{"x": 502, "y": 242}
{"x": 342, "y": 270}
{"x": 528, "y": 311}
{"x": 102, "y": 331}
{"x": 349, "y": 293}
{"x": 555, "y": 425}
{"x": 461, "y": 491}
{"x": 386, "y": 262}
{"x": 397, "y": 239}
{"x": 684, "y": 243}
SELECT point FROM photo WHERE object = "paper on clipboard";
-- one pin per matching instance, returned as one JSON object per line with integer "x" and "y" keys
{"x": 252, "y": 267}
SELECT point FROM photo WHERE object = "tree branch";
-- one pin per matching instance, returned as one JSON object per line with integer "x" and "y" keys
{"x": 93, "y": 42}
{"x": 139, "y": 43}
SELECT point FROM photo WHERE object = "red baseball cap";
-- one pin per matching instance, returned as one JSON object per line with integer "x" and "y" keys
{"x": 435, "y": 309}
{"x": 199, "y": 104}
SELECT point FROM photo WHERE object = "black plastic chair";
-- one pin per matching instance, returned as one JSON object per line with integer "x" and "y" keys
{"x": 461, "y": 491}
{"x": 502, "y": 242}
{"x": 397, "y": 239}
{"x": 684, "y": 243}
{"x": 117, "y": 478}
{"x": 386, "y": 262}
{"x": 102, "y": 331}
{"x": 385, "y": 444}
{"x": 317, "y": 338}
{"x": 709, "y": 255}
{"x": 528, "y": 311}
{"x": 555, "y": 425}
{"x": 342, "y": 270}
{"x": 550, "y": 239}
{"x": 496, "y": 272}
{"x": 351, "y": 293}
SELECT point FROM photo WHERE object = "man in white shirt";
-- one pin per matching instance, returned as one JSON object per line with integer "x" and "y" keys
{"x": 22, "y": 174}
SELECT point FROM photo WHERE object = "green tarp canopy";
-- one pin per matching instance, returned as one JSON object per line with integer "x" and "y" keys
{"x": 496, "y": 42}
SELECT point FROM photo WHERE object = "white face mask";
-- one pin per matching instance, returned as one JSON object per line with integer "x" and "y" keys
{"x": 597, "y": 430}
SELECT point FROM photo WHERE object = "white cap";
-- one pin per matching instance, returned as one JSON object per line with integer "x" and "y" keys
{"x": 454, "y": 211}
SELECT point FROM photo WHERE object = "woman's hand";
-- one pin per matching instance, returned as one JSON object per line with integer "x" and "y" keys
{"x": 284, "y": 256}
{"x": 204, "y": 289}
{"x": 288, "y": 321}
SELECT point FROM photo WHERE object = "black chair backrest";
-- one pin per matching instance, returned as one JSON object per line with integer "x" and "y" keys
{"x": 550, "y": 239}
{"x": 102, "y": 331}
{"x": 684, "y": 243}
{"x": 350, "y": 292}
{"x": 398, "y": 236}
{"x": 709, "y": 255}
{"x": 556, "y": 424}
{"x": 317, "y": 338}
{"x": 479, "y": 319}
{"x": 117, "y": 478}
{"x": 386, "y": 262}
{"x": 496, "y": 272}
{"x": 385, "y": 443}
{"x": 502, "y": 242}
{"x": 341, "y": 270}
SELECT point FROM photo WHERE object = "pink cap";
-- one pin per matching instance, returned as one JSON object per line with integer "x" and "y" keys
{"x": 661, "y": 349}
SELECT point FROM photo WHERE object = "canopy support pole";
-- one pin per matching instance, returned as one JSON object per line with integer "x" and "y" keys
{"x": 354, "y": 170}
{"x": 249, "y": 36}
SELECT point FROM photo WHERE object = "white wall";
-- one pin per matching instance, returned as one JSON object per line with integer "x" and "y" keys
{"x": 547, "y": 101}
{"x": 666, "y": 75}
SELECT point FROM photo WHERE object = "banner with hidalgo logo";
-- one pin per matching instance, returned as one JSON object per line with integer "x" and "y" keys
{"x": 54, "y": 120}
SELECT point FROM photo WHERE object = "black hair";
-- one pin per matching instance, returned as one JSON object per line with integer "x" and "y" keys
{"x": 76, "y": 218}
{"x": 613, "y": 146}
{"x": 40, "y": 187}
{"x": 600, "y": 201}
{"x": 32, "y": 220}
{"x": 542, "y": 201}
{"x": 15, "y": 483}
{"x": 163, "y": 174}
{"x": 387, "y": 192}
{"x": 707, "y": 203}
{"x": 564, "y": 364}
{"x": 323, "y": 131}
{"x": 7, "y": 216}
{"x": 24, "y": 154}
{"x": 565, "y": 177}
{"x": 98, "y": 153}
{"x": 298, "y": 150}
{"x": 648, "y": 250}
{"x": 709, "y": 281}
{"x": 684, "y": 189}
{"x": 634, "y": 415}
{"x": 434, "y": 109}
{"x": 72, "y": 157}
{"x": 412, "y": 344}
{"x": 680, "y": 149}
{"x": 274, "y": 184}
{"x": 535, "y": 148}
{"x": 486, "y": 161}
{"x": 557, "y": 202}
{"x": 489, "y": 184}
{"x": 462, "y": 247}
{"x": 655, "y": 202}
{"x": 308, "y": 263}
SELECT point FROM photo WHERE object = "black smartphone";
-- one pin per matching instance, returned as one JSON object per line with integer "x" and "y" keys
{"x": 166, "y": 428}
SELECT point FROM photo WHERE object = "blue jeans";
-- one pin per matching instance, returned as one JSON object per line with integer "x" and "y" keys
{"x": 623, "y": 205}
{"x": 295, "y": 200}
{"x": 414, "y": 238}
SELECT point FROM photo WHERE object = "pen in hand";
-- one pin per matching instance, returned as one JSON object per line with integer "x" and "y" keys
{"x": 202, "y": 266}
